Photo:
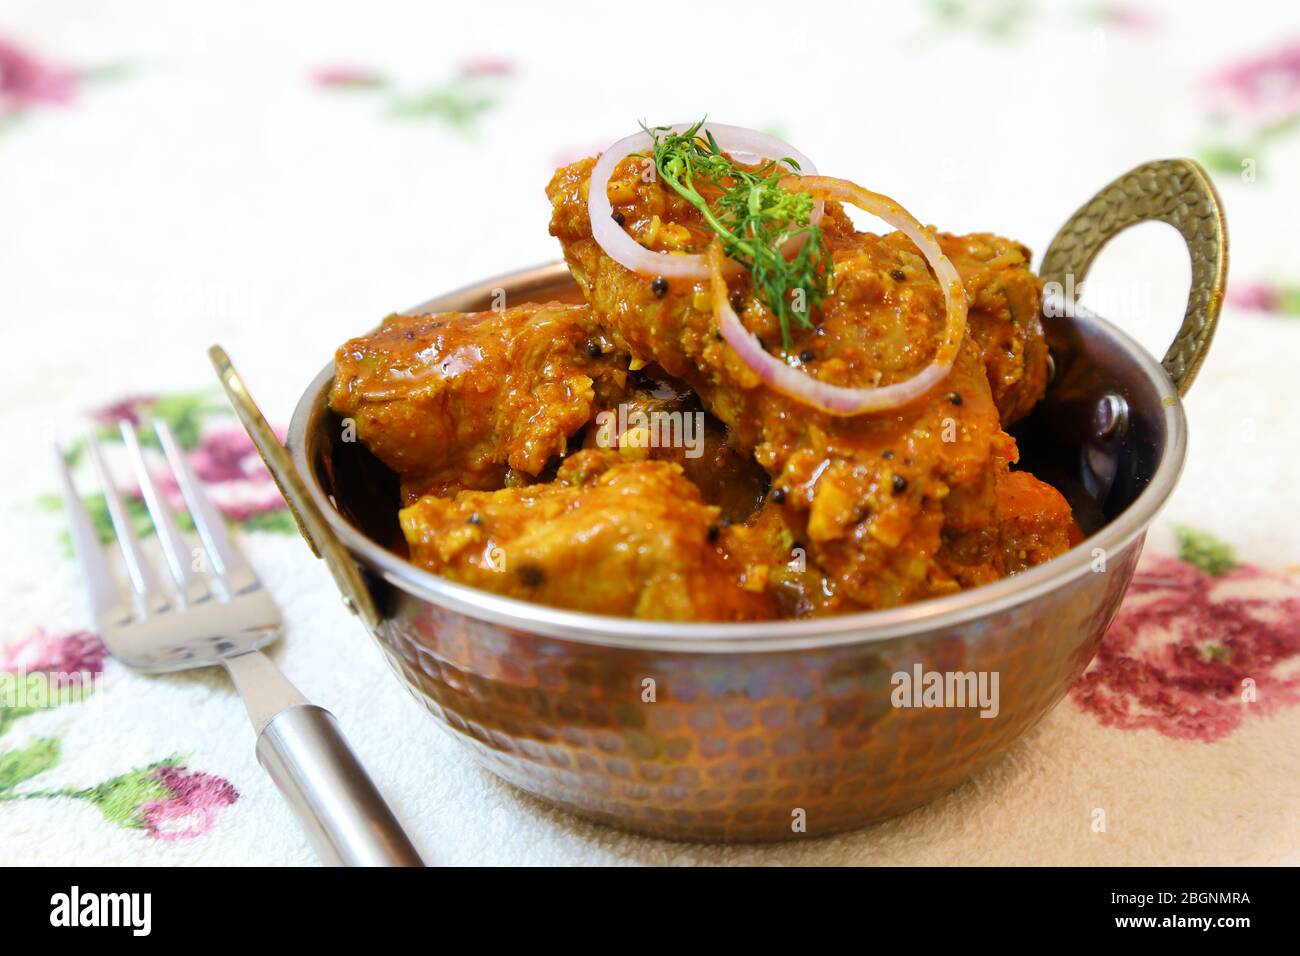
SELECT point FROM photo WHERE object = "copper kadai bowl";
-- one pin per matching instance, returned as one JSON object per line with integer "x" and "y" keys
{"x": 772, "y": 730}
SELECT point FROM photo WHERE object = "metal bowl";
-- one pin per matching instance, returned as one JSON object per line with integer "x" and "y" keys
{"x": 771, "y": 730}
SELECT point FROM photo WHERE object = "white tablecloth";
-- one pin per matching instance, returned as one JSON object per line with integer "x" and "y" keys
{"x": 277, "y": 178}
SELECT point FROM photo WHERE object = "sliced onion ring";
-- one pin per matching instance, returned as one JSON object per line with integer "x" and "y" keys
{"x": 837, "y": 399}
{"x": 747, "y": 144}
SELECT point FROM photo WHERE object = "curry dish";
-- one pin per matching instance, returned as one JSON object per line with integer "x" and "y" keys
{"x": 759, "y": 412}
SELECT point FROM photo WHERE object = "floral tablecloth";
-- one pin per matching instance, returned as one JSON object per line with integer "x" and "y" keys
{"x": 279, "y": 177}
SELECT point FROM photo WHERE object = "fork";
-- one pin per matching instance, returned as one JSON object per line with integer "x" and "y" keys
{"x": 225, "y": 617}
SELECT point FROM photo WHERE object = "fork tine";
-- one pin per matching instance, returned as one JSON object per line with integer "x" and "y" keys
{"x": 228, "y": 562}
{"x": 105, "y": 599}
{"x": 143, "y": 579}
{"x": 175, "y": 550}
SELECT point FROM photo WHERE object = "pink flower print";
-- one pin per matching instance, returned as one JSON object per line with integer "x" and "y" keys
{"x": 189, "y": 809}
{"x": 458, "y": 101}
{"x": 1274, "y": 298}
{"x": 73, "y": 654}
{"x": 1261, "y": 90}
{"x": 1125, "y": 16}
{"x": 487, "y": 66}
{"x": 129, "y": 409}
{"x": 228, "y": 454}
{"x": 232, "y": 472}
{"x": 1194, "y": 650}
{"x": 219, "y": 452}
{"x": 165, "y": 799}
{"x": 26, "y": 81}
{"x": 1255, "y": 296}
{"x": 347, "y": 77}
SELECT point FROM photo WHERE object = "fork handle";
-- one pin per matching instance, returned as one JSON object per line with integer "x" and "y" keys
{"x": 301, "y": 747}
{"x": 345, "y": 817}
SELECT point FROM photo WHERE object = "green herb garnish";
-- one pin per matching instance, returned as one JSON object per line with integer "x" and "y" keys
{"x": 755, "y": 217}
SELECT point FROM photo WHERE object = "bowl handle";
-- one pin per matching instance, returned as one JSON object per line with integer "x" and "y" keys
{"x": 311, "y": 523}
{"x": 1176, "y": 191}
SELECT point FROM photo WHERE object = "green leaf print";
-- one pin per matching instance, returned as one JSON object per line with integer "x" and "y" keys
{"x": 19, "y": 765}
{"x": 120, "y": 799}
{"x": 1203, "y": 550}
{"x": 184, "y": 413}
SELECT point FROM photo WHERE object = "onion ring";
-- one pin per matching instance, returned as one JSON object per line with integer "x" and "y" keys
{"x": 837, "y": 399}
{"x": 626, "y": 251}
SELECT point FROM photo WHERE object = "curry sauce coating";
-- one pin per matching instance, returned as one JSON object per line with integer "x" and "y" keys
{"x": 1033, "y": 523}
{"x": 1004, "y": 300}
{"x": 1004, "y": 317}
{"x": 656, "y": 407}
{"x": 459, "y": 400}
{"x": 607, "y": 536}
{"x": 875, "y": 490}
{"x": 880, "y": 489}
{"x": 771, "y": 550}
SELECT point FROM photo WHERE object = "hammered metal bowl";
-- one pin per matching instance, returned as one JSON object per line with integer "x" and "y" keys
{"x": 766, "y": 731}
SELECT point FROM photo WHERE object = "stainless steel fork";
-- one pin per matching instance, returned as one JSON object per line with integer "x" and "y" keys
{"x": 219, "y": 613}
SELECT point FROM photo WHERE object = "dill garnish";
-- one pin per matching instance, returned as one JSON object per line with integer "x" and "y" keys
{"x": 754, "y": 217}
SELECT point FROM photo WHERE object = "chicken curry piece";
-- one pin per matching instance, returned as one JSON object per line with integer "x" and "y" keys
{"x": 608, "y": 535}
{"x": 518, "y": 433}
{"x": 476, "y": 400}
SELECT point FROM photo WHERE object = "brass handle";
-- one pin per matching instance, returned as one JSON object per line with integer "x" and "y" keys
{"x": 311, "y": 523}
{"x": 1176, "y": 191}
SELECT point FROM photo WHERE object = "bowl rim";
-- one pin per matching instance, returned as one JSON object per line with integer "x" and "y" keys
{"x": 908, "y": 620}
